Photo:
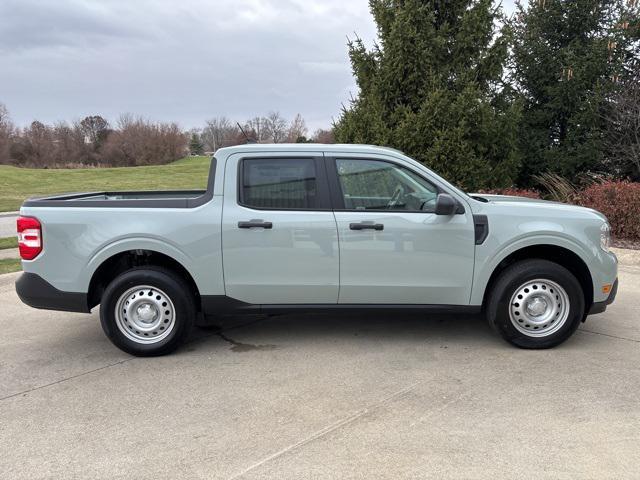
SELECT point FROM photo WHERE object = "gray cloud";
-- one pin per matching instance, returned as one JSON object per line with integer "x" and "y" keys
{"x": 185, "y": 60}
{"x": 30, "y": 24}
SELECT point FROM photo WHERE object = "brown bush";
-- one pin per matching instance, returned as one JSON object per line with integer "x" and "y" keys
{"x": 139, "y": 142}
{"x": 620, "y": 202}
{"x": 513, "y": 191}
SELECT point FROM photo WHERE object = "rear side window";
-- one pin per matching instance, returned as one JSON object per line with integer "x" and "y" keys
{"x": 279, "y": 183}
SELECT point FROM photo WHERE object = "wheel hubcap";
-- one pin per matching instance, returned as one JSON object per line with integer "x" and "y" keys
{"x": 145, "y": 314}
{"x": 539, "y": 308}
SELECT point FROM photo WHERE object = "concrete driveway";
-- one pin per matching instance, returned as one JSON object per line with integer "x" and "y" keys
{"x": 307, "y": 396}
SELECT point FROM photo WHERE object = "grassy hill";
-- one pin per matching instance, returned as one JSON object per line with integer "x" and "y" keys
{"x": 17, "y": 184}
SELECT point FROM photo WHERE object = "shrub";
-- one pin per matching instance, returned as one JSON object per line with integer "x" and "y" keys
{"x": 620, "y": 202}
{"x": 559, "y": 188}
{"x": 513, "y": 191}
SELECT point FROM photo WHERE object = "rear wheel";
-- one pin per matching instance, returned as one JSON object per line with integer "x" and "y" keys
{"x": 147, "y": 311}
{"x": 536, "y": 304}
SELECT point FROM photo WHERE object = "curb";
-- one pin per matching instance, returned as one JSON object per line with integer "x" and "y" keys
{"x": 7, "y": 281}
{"x": 9, "y": 214}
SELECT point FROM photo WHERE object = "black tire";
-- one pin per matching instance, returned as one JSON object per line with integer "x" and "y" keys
{"x": 176, "y": 289}
{"x": 511, "y": 280}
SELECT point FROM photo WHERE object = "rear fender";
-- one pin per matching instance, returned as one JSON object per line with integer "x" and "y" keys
{"x": 134, "y": 243}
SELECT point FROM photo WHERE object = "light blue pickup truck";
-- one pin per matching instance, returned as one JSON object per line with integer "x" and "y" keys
{"x": 298, "y": 228}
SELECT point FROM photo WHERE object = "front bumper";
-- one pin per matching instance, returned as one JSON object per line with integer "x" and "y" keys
{"x": 599, "y": 307}
{"x": 36, "y": 292}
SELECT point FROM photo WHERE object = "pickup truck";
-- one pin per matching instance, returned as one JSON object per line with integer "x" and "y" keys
{"x": 298, "y": 228}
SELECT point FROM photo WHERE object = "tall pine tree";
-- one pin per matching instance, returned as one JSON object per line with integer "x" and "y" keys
{"x": 566, "y": 63}
{"x": 432, "y": 87}
{"x": 196, "y": 147}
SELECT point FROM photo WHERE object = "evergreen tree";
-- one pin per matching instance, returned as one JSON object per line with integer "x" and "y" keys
{"x": 566, "y": 62}
{"x": 432, "y": 87}
{"x": 196, "y": 147}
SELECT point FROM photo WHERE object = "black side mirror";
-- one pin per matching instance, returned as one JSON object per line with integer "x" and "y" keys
{"x": 446, "y": 204}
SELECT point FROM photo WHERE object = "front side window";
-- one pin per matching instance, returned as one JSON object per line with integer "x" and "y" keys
{"x": 279, "y": 183}
{"x": 380, "y": 185}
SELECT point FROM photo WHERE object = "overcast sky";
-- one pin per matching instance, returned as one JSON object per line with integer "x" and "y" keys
{"x": 178, "y": 60}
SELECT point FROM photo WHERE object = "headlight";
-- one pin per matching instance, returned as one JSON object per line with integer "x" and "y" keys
{"x": 605, "y": 237}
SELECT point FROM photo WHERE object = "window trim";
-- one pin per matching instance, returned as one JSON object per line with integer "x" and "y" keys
{"x": 337, "y": 195}
{"x": 322, "y": 195}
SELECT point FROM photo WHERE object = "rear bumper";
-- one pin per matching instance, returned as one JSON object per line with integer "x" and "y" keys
{"x": 599, "y": 307}
{"x": 36, "y": 292}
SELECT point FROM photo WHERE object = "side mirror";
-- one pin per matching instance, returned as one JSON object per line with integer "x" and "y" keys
{"x": 446, "y": 204}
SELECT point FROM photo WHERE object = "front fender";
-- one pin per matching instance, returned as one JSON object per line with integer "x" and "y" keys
{"x": 488, "y": 257}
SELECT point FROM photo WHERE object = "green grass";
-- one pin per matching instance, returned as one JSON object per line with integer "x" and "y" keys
{"x": 9, "y": 242}
{"x": 17, "y": 184}
{"x": 8, "y": 265}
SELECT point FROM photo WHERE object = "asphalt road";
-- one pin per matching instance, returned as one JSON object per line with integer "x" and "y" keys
{"x": 8, "y": 224}
{"x": 324, "y": 397}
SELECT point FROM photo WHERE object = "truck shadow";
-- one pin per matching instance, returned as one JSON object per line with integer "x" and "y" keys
{"x": 262, "y": 333}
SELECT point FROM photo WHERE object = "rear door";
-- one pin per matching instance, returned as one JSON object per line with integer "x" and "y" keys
{"x": 393, "y": 248}
{"x": 279, "y": 236}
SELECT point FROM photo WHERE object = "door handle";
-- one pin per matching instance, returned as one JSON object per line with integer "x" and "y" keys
{"x": 366, "y": 226}
{"x": 255, "y": 224}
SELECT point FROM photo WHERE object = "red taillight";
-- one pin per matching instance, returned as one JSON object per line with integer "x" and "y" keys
{"x": 29, "y": 237}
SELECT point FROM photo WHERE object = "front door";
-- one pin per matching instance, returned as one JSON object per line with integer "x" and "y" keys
{"x": 393, "y": 248}
{"x": 279, "y": 235}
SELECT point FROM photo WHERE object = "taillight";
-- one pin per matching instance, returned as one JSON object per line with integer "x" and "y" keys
{"x": 29, "y": 237}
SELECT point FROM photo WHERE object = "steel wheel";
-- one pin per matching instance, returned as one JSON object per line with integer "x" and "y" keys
{"x": 145, "y": 314}
{"x": 539, "y": 308}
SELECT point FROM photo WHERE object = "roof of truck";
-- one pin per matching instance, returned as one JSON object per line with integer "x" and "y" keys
{"x": 306, "y": 147}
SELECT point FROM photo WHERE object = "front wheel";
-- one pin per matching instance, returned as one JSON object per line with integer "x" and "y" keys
{"x": 147, "y": 311}
{"x": 536, "y": 304}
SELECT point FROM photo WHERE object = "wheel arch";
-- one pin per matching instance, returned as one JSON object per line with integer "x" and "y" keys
{"x": 124, "y": 260}
{"x": 554, "y": 253}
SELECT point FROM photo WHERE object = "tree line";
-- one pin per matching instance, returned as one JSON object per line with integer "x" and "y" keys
{"x": 132, "y": 141}
{"x": 493, "y": 101}
{"x": 273, "y": 128}
{"x": 92, "y": 141}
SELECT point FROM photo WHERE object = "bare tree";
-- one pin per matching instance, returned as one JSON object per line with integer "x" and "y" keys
{"x": 70, "y": 146}
{"x": 324, "y": 136}
{"x": 4, "y": 114}
{"x": 219, "y": 132}
{"x": 624, "y": 130}
{"x": 40, "y": 145}
{"x": 275, "y": 128}
{"x": 297, "y": 130}
{"x": 6, "y": 133}
{"x": 256, "y": 129}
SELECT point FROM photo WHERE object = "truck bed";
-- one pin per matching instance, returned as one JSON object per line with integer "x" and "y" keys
{"x": 132, "y": 199}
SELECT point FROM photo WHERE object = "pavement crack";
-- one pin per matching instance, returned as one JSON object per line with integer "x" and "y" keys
{"x": 62, "y": 380}
{"x": 329, "y": 429}
{"x": 608, "y": 335}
